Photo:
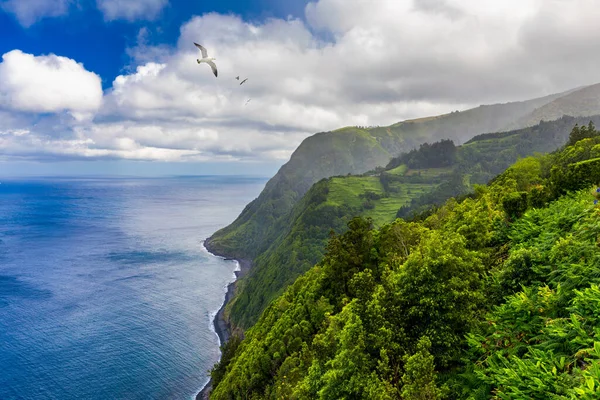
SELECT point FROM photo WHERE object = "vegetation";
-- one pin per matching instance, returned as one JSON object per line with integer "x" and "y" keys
{"x": 350, "y": 150}
{"x": 492, "y": 296}
{"x": 581, "y": 102}
{"x": 299, "y": 237}
{"x": 437, "y": 155}
{"x": 486, "y": 156}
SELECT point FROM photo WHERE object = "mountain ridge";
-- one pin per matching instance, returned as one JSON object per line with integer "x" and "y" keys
{"x": 491, "y": 295}
{"x": 349, "y": 150}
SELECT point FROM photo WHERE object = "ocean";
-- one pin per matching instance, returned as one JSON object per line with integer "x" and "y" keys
{"x": 106, "y": 290}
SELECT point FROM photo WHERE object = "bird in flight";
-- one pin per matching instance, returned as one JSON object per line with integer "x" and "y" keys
{"x": 205, "y": 58}
{"x": 248, "y": 101}
{"x": 242, "y": 82}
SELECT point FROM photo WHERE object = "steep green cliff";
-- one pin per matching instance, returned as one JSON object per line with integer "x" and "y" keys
{"x": 351, "y": 151}
{"x": 415, "y": 181}
{"x": 492, "y": 296}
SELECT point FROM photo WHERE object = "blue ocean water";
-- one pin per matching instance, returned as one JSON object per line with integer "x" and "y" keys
{"x": 106, "y": 291}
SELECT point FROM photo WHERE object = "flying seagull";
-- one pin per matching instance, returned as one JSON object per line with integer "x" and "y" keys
{"x": 205, "y": 58}
{"x": 248, "y": 101}
{"x": 242, "y": 82}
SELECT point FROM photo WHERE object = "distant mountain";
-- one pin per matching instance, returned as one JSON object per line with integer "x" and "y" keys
{"x": 344, "y": 151}
{"x": 461, "y": 126}
{"x": 412, "y": 182}
{"x": 493, "y": 296}
{"x": 581, "y": 102}
{"x": 350, "y": 150}
{"x": 353, "y": 150}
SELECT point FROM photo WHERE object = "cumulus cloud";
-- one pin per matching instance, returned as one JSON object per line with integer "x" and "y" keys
{"x": 28, "y": 12}
{"x": 49, "y": 83}
{"x": 349, "y": 62}
{"x": 131, "y": 10}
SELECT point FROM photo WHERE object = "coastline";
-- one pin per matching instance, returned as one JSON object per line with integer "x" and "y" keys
{"x": 222, "y": 328}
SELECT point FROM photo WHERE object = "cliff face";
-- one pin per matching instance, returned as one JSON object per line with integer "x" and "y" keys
{"x": 483, "y": 296}
{"x": 349, "y": 150}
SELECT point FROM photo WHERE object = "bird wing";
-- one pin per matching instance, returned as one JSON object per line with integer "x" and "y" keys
{"x": 213, "y": 66}
{"x": 243, "y": 81}
{"x": 237, "y": 77}
{"x": 202, "y": 49}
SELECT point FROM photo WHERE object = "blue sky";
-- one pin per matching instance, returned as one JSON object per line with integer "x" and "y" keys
{"x": 112, "y": 86}
{"x": 83, "y": 33}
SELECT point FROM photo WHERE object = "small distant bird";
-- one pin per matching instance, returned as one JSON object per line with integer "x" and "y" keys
{"x": 247, "y": 101}
{"x": 242, "y": 82}
{"x": 205, "y": 58}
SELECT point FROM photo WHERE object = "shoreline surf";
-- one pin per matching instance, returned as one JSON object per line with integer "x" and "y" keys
{"x": 220, "y": 326}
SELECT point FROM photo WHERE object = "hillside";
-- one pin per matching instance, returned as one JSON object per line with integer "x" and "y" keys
{"x": 582, "y": 102}
{"x": 351, "y": 150}
{"x": 494, "y": 296}
{"x": 345, "y": 151}
{"x": 265, "y": 221}
{"x": 397, "y": 191}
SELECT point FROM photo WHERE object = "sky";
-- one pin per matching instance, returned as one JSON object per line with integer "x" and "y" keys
{"x": 93, "y": 87}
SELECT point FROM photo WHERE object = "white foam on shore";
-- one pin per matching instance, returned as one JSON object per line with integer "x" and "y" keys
{"x": 200, "y": 390}
{"x": 213, "y": 314}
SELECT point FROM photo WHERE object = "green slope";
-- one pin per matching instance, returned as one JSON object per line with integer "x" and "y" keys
{"x": 351, "y": 150}
{"x": 332, "y": 202}
{"x": 345, "y": 151}
{"x": 488, "y": 155}
{"x": 495, "y": 296}
{"x": 582, "y": 102}
{"x": 328, "y": 205}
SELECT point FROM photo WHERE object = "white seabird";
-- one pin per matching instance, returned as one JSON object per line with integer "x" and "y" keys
{"x": 248, "y": 101}
{"x": 205, "y": 58}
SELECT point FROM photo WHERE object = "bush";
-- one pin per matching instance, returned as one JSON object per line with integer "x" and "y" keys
{"x": 515, "y": 204}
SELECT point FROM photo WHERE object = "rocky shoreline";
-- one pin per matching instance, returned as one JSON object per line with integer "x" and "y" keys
{"x": 222, "y": 328}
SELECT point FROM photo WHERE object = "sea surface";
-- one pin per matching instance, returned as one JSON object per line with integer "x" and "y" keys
{"x": 106, "y": 291}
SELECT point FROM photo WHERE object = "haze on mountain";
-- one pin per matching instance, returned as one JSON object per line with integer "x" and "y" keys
{"x": 261, "y": 229}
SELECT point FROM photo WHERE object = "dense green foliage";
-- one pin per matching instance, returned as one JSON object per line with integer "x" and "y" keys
{"x": 486, "y": 156}
{"x": 351, "y": 150}
{"x": 495, "y": 296}
{"x": 301, "y": 235}
{"x": 436, "y": 155}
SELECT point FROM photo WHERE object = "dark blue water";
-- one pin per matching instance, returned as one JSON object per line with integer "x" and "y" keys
{"x": 106, "y": 291}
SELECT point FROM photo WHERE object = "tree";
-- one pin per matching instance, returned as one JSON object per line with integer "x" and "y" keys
{"x": 346, "y": 255}
{"x": 419, "y": 376}
{"x": 438, "y": 293}
{"x": 579, "y": 133}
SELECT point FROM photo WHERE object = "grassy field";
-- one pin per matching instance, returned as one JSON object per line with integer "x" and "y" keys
{"x": 399, "y": 170}
{"x": 429, "y": 172}
{"x": 348, "y": 190}
{"x": 386, "y": 208}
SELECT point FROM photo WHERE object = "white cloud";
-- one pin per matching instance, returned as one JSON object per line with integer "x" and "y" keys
{"x": 48, "y": 84}
{"x": 131, "y": 10}
{"x": 28, "y": 12}
{"x": 381, "y": 63}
